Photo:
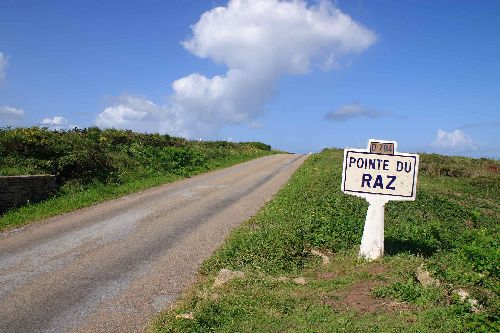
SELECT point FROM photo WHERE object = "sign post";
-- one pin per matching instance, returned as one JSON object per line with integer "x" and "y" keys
{"x": 379, "y": 174}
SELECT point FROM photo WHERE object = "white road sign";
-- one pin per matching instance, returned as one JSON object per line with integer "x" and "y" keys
{"x": 389, "y": 174}
{"x": 379, "y": 174}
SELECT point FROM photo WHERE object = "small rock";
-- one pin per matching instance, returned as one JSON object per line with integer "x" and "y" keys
{"x": 425, "y": 278}
{"x": 300, "y": 280}
{"x": 226, "y": 275}
{"x": 324, "y": 257}
{"x": 188, "y": 315}
{"x": 464, "y": 296}
{"x": 474, "y": 305}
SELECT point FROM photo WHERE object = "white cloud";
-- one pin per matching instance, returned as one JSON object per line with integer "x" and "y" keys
{"x": 10, "y": 116}
{"x": 455, "y": 140}
{"x": 11, "y": 112}
{"x": 56, "y": 122}
{"x": 353, "y": 110}
{"x": 259, "y": 41}
{"x": 3, "y": 66}
{"x": 269, "y": 36}
{"x": 139, "y": 114}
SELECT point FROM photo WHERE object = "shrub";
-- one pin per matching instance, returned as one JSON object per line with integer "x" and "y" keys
{"x": 111, "y": 155}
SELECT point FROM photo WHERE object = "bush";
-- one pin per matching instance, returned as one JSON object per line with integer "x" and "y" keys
{"x": 94, "y": 155}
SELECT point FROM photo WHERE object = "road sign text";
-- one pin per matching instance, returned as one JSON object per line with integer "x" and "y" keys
{"x": 367, "y": 173}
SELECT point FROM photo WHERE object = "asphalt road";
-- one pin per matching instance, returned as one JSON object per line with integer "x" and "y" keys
{"x": 111, "y": 267}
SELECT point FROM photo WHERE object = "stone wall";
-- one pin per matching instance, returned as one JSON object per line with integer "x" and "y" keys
{"x": 18, "y": 190}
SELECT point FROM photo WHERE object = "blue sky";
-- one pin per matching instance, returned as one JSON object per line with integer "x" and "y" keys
{"x": 423, "y": 73}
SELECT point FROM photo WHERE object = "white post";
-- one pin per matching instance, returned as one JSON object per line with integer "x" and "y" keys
{"x": 372, "y": 243}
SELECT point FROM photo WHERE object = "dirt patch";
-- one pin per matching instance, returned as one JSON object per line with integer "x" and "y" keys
{"x": 359, "y": 298}
{"x": 493, "y": 168}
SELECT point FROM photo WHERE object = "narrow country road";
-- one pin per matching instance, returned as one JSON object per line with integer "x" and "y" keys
{"x": 111, "y": 267}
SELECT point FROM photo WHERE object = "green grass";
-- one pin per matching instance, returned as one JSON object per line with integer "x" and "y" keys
{"x": 452, "y": 229}
{"x": 72, "y": 197}
{"x": 92, "y": 165}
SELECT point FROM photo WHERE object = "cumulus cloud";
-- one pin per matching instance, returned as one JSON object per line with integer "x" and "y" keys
{"x": 455, "y": 140}
{"x": 269, "y": 36}
{"x": 56, "y": 122}
{"x": 259, "y": 41}
{"x": 140, "y": 114}
{"x": 10, "y": 116}
{"x": 354, "y": 110}
{"x": 3, "y": 66}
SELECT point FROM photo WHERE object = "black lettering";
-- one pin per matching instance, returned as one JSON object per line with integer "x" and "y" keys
{"x": 392, "y": 180}
{"x": 371, "y": 163}
{"x": 362, "y": 163}
{"x": 378, "y": 182}
{"x": 366, "y": 178}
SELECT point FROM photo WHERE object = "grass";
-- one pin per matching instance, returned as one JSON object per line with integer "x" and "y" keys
{"x": 451, "y": 229}
{"x": 74, "y": 194}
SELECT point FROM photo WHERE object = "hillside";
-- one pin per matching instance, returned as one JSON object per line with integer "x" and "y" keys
{"x": 92, "y": 165}
{"x": 440, "y": 272}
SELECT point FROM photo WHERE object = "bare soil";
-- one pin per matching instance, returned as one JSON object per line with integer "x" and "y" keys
{"x": 358, "y": 297}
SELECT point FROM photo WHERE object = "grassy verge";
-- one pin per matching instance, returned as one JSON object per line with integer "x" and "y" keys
{"x": 451, "y": 229}
{"x": 72, "y": 197}
{"x": 92, "y": 166}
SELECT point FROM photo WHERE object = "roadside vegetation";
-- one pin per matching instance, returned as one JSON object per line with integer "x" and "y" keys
{"x": 440, "y": 272}
{"x": 93, "y": 165}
